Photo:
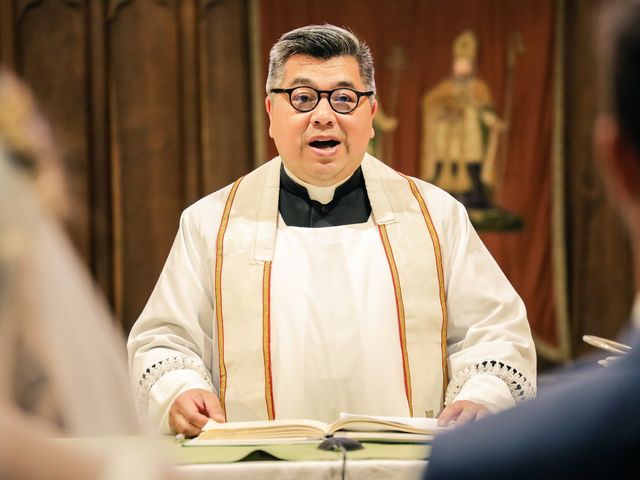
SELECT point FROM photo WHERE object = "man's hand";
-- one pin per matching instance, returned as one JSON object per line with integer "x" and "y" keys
{"x": 192, "y": 409}
{"x": 462, "y": 411}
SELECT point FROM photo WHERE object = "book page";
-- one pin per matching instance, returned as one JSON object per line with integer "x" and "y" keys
{"x": 385, "y": 437}
{"x": 377, "y": 423}
{"x": 263, "y": 430}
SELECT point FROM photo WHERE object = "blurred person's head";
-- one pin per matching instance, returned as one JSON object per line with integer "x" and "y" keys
{"x": 27, "y": 141}
{"x": 617, "y": 128}
{"x": 62, "y": 357}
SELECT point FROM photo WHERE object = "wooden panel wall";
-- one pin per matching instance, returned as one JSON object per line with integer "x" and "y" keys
{"x": 150, "y": 103}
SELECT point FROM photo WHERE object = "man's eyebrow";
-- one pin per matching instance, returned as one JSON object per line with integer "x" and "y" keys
{"x": 301, "y": 81}
{"x": 345, "y": 83}
{"x": 307, "y": 82}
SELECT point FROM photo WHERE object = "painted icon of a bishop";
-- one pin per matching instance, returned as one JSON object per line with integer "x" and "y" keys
{"x": 461, "y": 130}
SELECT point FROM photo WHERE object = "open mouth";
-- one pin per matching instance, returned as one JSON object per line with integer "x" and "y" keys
{"x": 324, "y": 143}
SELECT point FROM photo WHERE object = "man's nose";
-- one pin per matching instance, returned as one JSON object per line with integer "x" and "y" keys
{"x": 323, "y": 114}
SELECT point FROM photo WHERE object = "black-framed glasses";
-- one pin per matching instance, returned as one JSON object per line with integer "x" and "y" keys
{"x": 305, "y": 99}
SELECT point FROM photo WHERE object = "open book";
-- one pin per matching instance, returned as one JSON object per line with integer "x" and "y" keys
{"x": 360, "y": 427}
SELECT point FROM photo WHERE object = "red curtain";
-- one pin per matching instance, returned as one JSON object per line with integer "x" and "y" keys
{"x": 425, "y": 30}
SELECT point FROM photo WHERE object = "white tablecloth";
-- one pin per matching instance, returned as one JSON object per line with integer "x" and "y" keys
{"x": 307, "y": 470}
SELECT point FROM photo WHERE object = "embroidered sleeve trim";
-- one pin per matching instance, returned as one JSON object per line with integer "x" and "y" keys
{"x": 152, "y": 374}
{"x": 520, "y": 388}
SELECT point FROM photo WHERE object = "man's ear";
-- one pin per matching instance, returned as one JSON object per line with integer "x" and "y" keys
{"x": 268, "y": 105}
{"x": 374, "y": 109}
{"x": 618, "y": 160}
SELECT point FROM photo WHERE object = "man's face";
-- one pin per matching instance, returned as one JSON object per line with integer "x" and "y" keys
{"x": 320, "y": 147}
{"x": 462, "y": 67}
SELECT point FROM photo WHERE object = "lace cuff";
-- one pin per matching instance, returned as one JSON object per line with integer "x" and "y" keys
{"x": 157, "y": 370}
{"x": 520, "y": 388}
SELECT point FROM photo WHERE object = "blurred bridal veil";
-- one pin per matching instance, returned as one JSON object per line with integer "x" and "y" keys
{"x": 63, "y": 366}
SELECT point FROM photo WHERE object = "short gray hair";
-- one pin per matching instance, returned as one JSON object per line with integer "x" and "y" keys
{"x": 320, "y": 41}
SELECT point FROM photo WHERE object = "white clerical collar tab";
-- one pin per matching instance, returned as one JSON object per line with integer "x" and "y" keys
{"x": 323, "y": 195}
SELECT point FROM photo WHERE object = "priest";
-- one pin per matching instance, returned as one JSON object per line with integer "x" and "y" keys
{"x": 324, "y": 281}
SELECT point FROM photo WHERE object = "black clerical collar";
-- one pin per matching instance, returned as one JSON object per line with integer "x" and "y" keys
{"x": 350, "y": 203}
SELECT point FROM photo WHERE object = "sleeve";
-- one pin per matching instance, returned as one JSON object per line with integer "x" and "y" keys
{"x": 172, "y": 344}
{"x": 492, "y": 357}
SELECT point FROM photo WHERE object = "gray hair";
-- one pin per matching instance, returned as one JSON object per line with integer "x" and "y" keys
{"x": 320, "y": 41}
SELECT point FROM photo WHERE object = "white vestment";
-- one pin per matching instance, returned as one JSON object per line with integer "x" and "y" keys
{"x": 323, "y": 364}
{"x": 333, "y": 340}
